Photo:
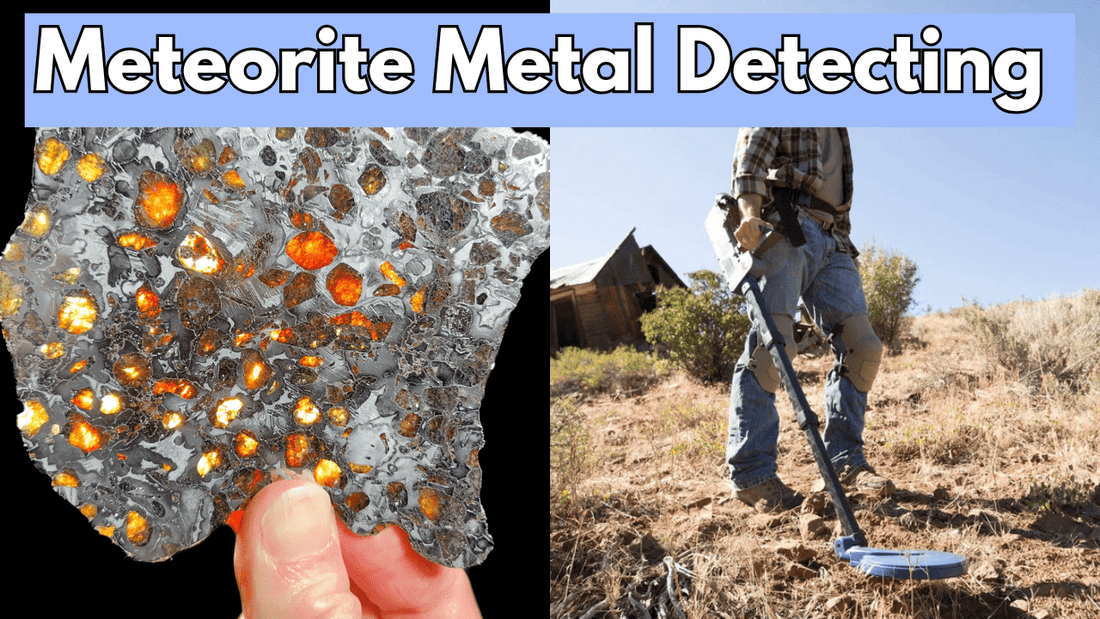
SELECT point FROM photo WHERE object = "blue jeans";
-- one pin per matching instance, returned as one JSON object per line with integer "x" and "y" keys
{"x": 830, "y": 287}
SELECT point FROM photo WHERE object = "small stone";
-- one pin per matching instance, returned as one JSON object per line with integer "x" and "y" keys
{"x": 524, "y": 148}
{"x": 299, "y": 290}
{"x": 816, "y": 503}
{"x": 812, "y": 526}
{"x": 793, "y": 550}
{"x": 797, "y": 571}
{"x": 985, "y": 571}
{"x": 699, "y": 503}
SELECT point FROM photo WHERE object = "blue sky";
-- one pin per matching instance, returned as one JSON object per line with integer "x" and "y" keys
{"x": 988, "y": 214}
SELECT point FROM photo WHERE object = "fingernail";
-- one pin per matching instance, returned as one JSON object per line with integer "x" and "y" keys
{"x": 298, "y": 525}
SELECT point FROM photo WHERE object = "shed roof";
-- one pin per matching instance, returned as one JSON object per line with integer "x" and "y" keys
{"x": 651, "y": 254}
{"x": 586, "y": 271}
{"x": 578, "y": 273}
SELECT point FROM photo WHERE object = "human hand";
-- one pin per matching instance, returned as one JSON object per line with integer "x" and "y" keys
{"x": 295, "y": 560}
{"x": 751, "y": 232}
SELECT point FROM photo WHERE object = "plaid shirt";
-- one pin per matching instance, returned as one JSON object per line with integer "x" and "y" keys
{"x": 791, "y": 157}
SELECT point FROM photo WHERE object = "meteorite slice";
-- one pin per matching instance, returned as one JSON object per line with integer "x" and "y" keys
{"x": 193, "y": 312}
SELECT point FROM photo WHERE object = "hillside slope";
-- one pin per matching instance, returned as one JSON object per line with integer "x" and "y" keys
{"x": 1002, "y": 467}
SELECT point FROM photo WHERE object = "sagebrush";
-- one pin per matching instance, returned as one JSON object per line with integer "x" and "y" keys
{"x": 1053, "y": 340}
{"x": 889, "y": 279}
{"x": 702, "y": 329}
{"x": 622, "y": 370}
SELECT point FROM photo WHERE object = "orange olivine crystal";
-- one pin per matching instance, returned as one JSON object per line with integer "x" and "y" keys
{"x": 160, "y": 201}
{"x": 311, "y": 250}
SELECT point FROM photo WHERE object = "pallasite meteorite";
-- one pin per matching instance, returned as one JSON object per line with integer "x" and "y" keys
{"x": 192, "y": 313}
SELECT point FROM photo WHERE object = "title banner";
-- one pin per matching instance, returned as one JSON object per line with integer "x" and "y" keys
{"x": 549, "y": 70}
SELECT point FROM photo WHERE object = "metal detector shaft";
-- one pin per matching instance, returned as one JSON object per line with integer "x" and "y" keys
{"x": 742, "y": 270}
{"x": 807, "y": 420}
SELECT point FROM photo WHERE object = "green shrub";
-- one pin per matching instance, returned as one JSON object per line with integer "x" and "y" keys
{"x": 702, "y": 329}
{"x": 590, "y": 371}
{"x": 889, "y": 278}
{"x": 1068, "y": 495}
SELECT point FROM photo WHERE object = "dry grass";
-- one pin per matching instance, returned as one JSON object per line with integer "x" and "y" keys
{"x": 998, "y": 466}
{"x": 1049, "y": 344}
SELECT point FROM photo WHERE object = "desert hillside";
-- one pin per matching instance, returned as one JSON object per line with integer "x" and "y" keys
{"x": 986, "y": 419}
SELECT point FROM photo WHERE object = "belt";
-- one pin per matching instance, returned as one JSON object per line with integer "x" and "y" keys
{"x": 801, "y": 198}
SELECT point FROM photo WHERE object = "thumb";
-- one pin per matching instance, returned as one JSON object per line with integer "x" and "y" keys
{"x": 288, "y": 560}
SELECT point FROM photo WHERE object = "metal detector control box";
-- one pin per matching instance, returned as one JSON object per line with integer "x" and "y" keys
{"x": 735, "y": 262}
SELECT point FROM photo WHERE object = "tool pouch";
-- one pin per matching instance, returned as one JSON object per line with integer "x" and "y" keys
{"x": 785, "y": 202}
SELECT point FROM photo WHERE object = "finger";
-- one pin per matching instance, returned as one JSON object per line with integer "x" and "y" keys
{"x": 398, "y": 581}
{"x": 288, "y": 561}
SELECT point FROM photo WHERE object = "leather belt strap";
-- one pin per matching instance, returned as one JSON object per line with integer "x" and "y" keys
{"x": 802, "y": 198}
{"x": 788, "y": 215}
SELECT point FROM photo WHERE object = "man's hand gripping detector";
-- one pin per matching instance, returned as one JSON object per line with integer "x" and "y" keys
{"x": 735, "y": 261}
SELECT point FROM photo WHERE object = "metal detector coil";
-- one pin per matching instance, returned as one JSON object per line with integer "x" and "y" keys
{"x": 901, "y": 564}
{"x": 743, "y": 269}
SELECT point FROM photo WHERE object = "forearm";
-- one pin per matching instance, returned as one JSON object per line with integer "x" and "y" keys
{"x": 751, "y": 228}
{"x": 749, "y": 205}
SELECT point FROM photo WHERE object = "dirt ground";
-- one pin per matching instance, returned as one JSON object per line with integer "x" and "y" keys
{"x": 1002, "y": 471}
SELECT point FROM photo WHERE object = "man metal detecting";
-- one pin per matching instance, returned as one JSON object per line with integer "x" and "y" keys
{"x": 798, "y": 181}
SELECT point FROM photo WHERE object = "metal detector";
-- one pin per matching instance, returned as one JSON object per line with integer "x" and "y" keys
{"x": 743, "y": 269}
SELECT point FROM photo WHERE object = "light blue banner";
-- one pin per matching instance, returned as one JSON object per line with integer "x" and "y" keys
{"x": 549, "y": 70}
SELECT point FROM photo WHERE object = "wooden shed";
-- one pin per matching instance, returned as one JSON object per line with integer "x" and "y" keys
{"x": 597, "y": 304}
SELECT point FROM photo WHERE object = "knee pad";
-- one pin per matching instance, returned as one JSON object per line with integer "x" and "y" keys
{"x": 862, "y": 352}
{"x": 761, "y": 363}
